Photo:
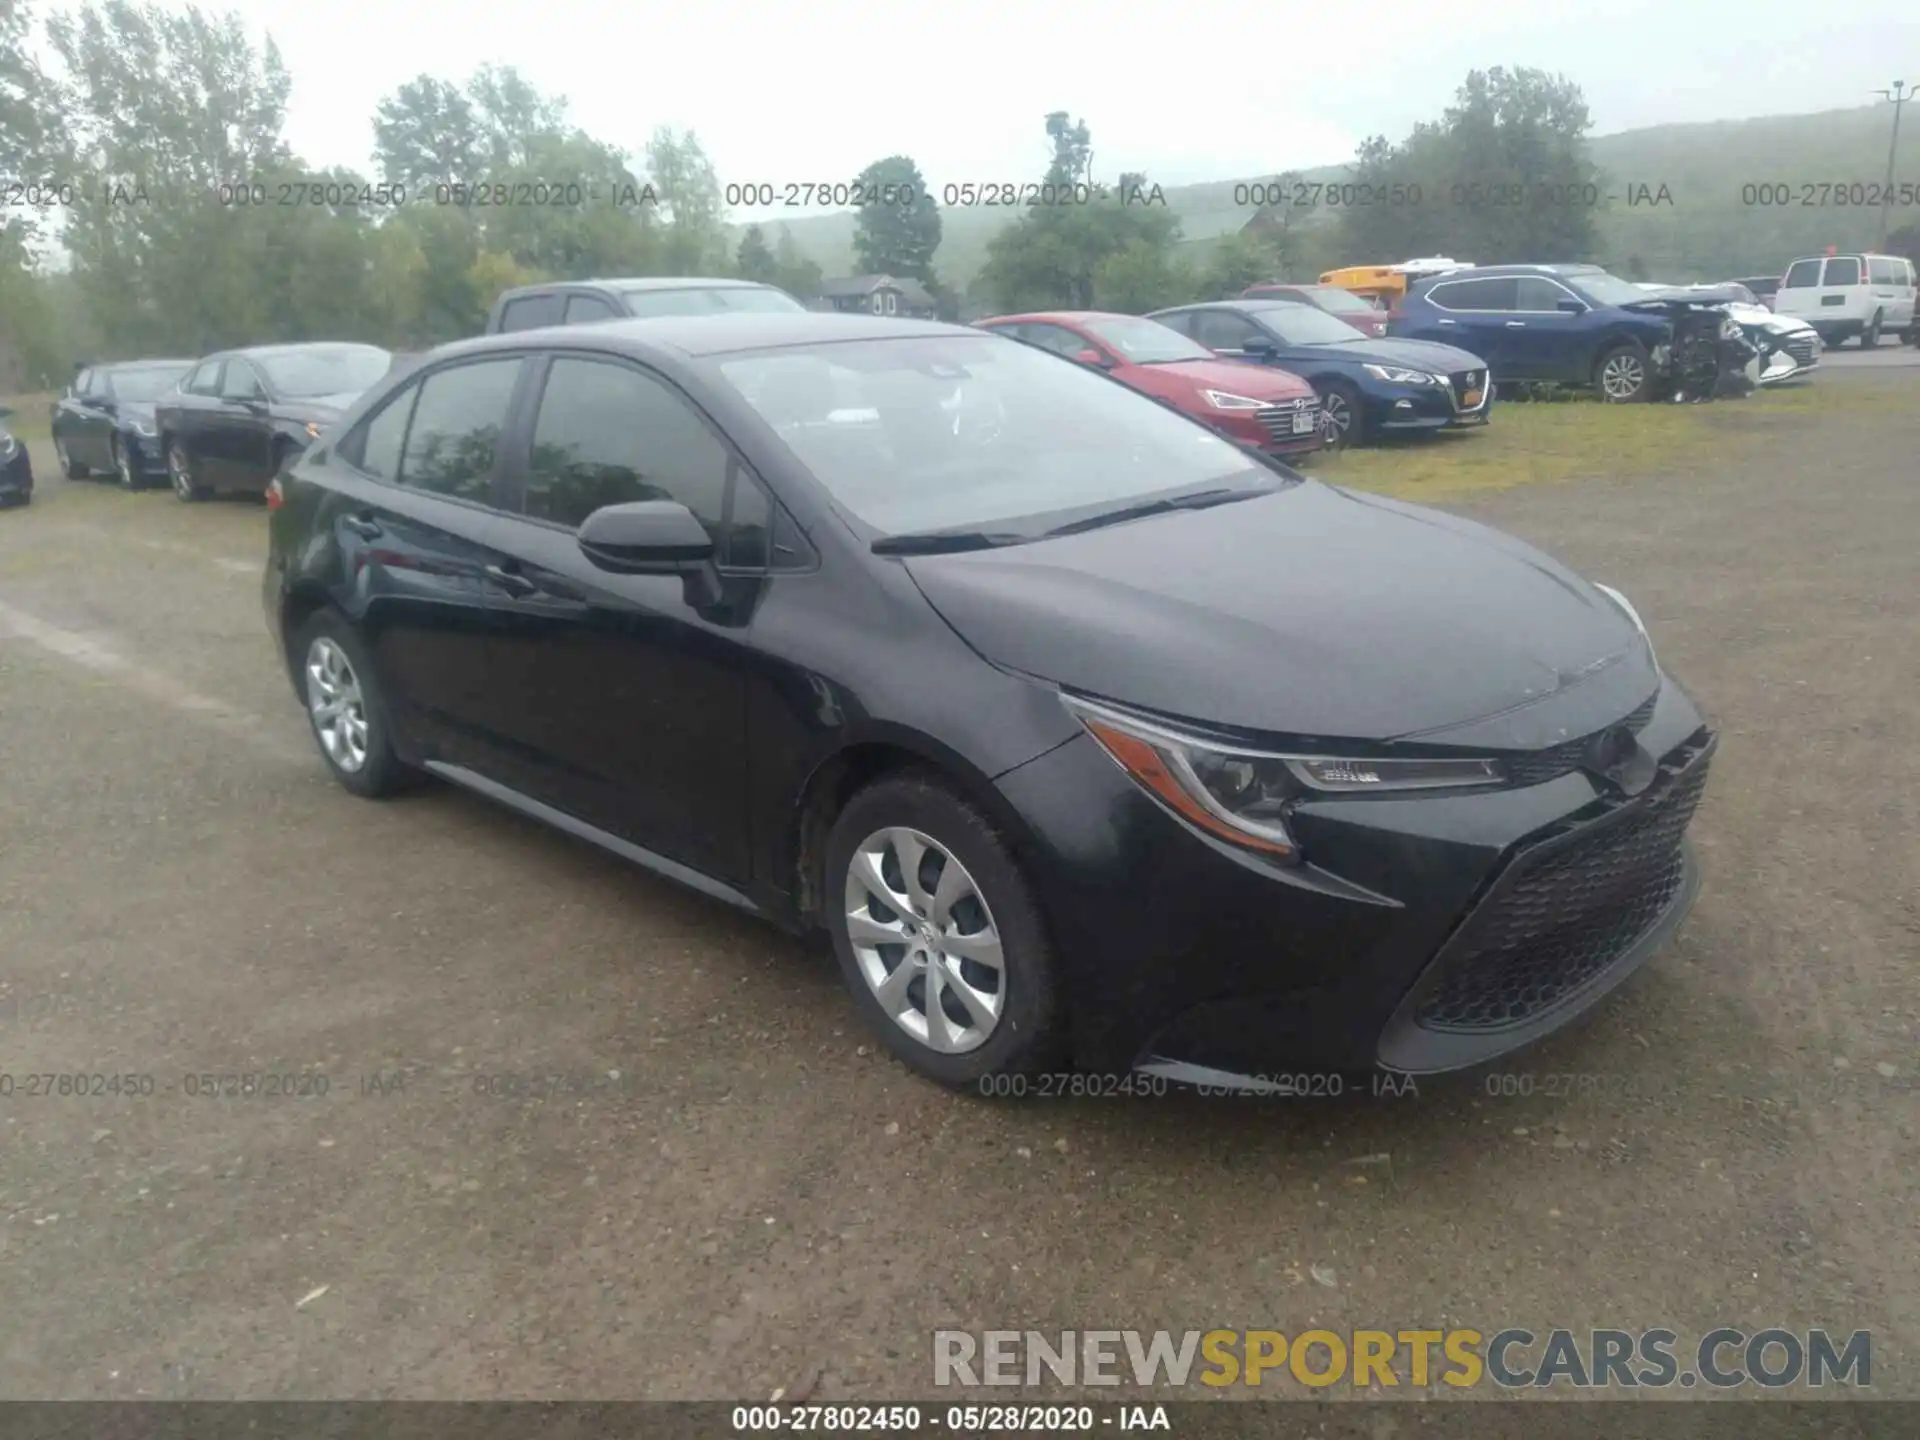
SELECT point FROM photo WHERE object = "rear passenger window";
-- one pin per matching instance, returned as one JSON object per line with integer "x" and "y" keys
{"x": 376, "y": 449}
{"x": 1842, "y": 270}
{"x": 583, "y": 309}
{"x": 530, "y": 313}
{"x": 1802, "y": 275}
{"x": 1880, "y": 271}
{"x": 608, "y": 434}
{"x": 456, "y": 427}
{"x": 1492, "y": 294}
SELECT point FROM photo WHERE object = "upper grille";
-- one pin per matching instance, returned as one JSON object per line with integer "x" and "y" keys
{"x": 1467, "y": 380}
{"x": 1540, "y": 766}
{"x": 1277, "y": 420}
{"x": 1566, "y": 910}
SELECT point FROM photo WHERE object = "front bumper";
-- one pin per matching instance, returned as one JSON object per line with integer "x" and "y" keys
{"x": 1425, "y": 934}
{"x": 1288, "y": 429}
{"x": 143, "y": 453}
{"x": 1465, "y": 400}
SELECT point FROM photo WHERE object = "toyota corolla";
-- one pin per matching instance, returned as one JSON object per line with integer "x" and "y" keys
{"x": 1091, "y": 737}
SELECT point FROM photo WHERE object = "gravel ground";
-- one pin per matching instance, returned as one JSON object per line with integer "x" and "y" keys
{"x": 749, "y": 1196}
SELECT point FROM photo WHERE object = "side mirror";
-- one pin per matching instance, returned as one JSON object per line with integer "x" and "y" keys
{"x": 646, "y": 537}
{"x": 1571, "y": 307}
{"x": 1259, "y": 347}
{"x": 1090, "y": 356}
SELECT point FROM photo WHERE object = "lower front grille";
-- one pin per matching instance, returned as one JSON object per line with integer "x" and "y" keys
{"x": 1464, "y": 384}
{"x": 1804, "y": 349}
{"x": 1278, "y": 420}
{"x": 1568, "y": 908}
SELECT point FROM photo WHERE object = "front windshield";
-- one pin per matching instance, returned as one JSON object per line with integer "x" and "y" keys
{"x": 1604, "y": 289}
{"x": 968, "y": 432}
{"x": 1336, "y": 301}
{"x": 1147, "y": 342}
{"x": 324, "y": 370}
{"x": 145, "y": 382}
{"x": 716, "y": 300}
{"x": 1304, "y": 325}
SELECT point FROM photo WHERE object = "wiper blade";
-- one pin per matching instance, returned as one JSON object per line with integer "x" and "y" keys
{"x": 1199, "y": 500}
{"x": 944, "y": 542}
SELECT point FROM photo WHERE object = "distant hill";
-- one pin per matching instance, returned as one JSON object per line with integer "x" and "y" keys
{"x": 1704, "y": 230}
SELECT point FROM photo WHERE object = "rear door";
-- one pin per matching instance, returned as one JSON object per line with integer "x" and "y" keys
{"x": 1887, "y": 276}
{"x": 1844, "y": 294}
{"x": 89, "y": 429}
{"x": 1799, "y": 292}
{"x": 1472, "y": 314}
{"x": 412, "y": 511}
{"x": 630, "y": 690}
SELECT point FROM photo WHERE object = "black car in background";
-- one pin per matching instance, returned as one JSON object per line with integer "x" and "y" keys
{"x": 16, "y": 468}
{"x": 237, "y": 416}
{"x": 1091, "y": 737}
{"x": 580, "y": 302}
{"x": 104, "y": 421}
{"x": 1367, "y": 387}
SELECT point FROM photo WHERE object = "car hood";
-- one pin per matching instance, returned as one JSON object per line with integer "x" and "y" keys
{"x": 1411, "y": 354}
{"x": 1310, "y": 612}
{"x": 1256, "y": 382}
{"x": 1758, "y": 317}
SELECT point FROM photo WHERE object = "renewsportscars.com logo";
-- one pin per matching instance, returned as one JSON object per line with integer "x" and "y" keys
{"x": 1512, "y": 1358}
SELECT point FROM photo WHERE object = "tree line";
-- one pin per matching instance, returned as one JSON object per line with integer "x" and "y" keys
{"x": 156, "y": 207}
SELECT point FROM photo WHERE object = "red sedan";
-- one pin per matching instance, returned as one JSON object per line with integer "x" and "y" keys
{"x": 1254, "y": 404}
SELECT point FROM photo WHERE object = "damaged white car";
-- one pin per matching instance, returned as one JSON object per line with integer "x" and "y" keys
{"x": 1789, "y": 348}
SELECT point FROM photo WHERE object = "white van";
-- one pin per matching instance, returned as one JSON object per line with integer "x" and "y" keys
{"x": 1846, "y": 295}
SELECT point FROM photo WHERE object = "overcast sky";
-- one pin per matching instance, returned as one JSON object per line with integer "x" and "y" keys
{"x": 1222, "y": 90}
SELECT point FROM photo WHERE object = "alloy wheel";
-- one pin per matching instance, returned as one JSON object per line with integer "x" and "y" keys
{"x": 925, "y": 940}
{"x": 338, "y": 708}
{"x": 1338, "y": 416}
{"x": 1622, "y": 377}
{"x": 178, "y": 472}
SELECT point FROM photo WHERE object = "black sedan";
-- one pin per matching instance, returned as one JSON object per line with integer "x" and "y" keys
{"x": 16, "y": 468}
{"x": 1092, "y": 738}
{"x": 240, "y": 415}
{"x": 104, "y": 422}
{"x": 1367, "y": 388}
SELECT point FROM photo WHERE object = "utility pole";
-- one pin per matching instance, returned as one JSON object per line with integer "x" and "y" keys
{"x": 1899, "y": 94}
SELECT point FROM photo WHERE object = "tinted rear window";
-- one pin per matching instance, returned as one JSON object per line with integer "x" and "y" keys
{"x": 530, "y": 312}
{"x": 1801, "y": 275}
{"x": 1497, "y": 293}
{"x": 1842, "y": 270}
{"x": 718, "y": 300}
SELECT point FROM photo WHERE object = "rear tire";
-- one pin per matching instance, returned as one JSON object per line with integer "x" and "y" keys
{"x": 966, "y": 891}
{"x": 346, "y": 708}
{"x": 180, "y": 471}
{"x": 68, "y": 467}
{"x": 1870, "y": 337}
{"x": 1623, "y": 374}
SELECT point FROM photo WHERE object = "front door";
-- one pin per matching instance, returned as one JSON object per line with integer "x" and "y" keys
{"x": 1543, "y": 342}
{"x": 628, "y": 692}
{"x": 241, "y": 435}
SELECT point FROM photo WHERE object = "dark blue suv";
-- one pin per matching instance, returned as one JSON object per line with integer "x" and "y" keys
{"x": 1573, "y": 324}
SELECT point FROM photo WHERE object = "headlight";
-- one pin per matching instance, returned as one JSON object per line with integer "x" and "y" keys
{"x": 8, "y": 445}
{"x": 1221, "y": 400}
{"x": 1244, "y": 796}
{"x": 1395, "y": 375}
{"x": 1632, "y": 614}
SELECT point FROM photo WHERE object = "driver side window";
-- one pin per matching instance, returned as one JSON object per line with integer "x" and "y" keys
{"x": 241, "y": 383}
{"x": 1055, "y": 338}
{"x": 1222, "y": 330}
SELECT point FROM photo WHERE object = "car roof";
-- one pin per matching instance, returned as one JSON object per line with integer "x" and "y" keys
{"x": 639, "y": 282}
{"x": 140, "y": 364}
{"x": 1069, "y": 317}
{"x": 1498, "y": 270}
{"x": 701, "y": 335}
{"x": 268, "y": 352}
{"x": 1253, "y": 302}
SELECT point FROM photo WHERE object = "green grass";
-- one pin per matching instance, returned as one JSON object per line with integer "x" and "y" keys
{"x": 1555, "y": 442}
{"x": 30, "y": 415}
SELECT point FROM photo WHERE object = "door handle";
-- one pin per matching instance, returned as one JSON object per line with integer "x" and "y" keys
{"x": 365, "y": 526}
{"x": 1516, "y": 324}
{"x": 511, "y": 581}
{"x": 1449, "y": 322}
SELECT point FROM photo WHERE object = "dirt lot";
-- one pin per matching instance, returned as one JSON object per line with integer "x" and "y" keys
{"x": 752, "y": 1196}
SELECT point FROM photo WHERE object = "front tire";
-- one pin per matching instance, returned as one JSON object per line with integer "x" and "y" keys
{"x": 186, "y": 486}
{"x": 939, "y": 936}
{"x": 123, "y": 465}
{"x": 1622, "y": 374}
{"x": 1345, "y": 412}
{"x": 346, "y": 709}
